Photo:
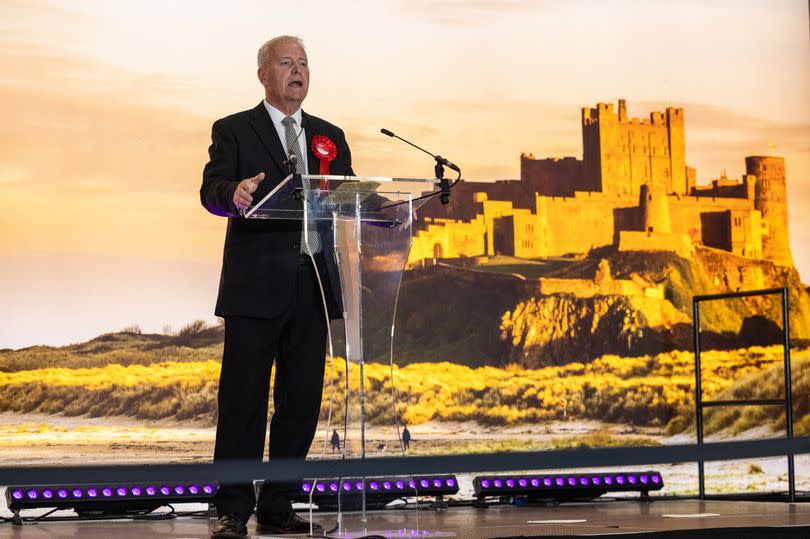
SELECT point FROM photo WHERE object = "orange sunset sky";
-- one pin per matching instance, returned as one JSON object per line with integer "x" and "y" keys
{"x": 107, "y": 108}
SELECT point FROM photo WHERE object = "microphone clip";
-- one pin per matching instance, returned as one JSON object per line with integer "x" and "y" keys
{"x": 444, "y": 197}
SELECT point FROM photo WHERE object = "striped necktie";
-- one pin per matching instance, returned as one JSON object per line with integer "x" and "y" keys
{"x": 310, "y": 240}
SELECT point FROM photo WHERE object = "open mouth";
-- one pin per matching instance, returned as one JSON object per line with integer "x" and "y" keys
{"x": 296, "y": 84}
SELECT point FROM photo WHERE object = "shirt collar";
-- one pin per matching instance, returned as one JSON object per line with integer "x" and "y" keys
{"x": 276, "y": 115}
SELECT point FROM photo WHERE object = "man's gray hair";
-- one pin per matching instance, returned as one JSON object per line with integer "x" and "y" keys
{"x": 264, "y": 50}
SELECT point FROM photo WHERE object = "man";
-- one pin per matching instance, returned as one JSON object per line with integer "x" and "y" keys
{"x": 406, "y": 438}
{"x": 269, "y": 293}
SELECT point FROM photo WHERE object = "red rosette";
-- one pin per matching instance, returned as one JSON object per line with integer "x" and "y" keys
{"x": 326, "y": 151}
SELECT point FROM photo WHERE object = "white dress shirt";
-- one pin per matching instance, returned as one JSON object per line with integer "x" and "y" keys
{"x": 276, "y": 116}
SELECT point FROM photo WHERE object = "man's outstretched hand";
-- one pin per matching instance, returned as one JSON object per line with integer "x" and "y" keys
{"x": 243, "y": 196}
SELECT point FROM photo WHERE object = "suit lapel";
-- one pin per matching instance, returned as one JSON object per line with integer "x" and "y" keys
{"x": 261, "y": 123}
{"x": 312, "y": 161}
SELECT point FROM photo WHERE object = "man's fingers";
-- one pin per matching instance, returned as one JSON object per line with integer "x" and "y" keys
{"x": 242, "y": 196}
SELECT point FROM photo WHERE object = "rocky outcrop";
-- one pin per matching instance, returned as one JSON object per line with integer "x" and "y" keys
{"x": 558, "y": 328}
{"x": 561, "y": 329}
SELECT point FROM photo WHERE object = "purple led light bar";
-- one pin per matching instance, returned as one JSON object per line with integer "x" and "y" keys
{"x": 440, "y": 484}
{"x": 77, "y": 495}
{"x": 588, "y": 485}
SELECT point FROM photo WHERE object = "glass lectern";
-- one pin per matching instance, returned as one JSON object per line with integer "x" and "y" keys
{"x": 364, "y": 226}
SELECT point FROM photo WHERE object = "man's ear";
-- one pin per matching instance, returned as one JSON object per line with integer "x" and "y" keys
{"x": 260, "y": 74}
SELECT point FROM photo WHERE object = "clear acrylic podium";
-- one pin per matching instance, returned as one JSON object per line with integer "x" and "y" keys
{"x": 368, "y": 221}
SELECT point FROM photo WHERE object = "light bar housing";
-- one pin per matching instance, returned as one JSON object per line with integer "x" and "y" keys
{"x": 109, "y": 498}
{"x": 565, "y": 486}
{"x": 379, "y": 490}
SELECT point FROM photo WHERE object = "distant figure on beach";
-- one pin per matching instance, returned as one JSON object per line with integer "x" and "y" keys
{"x": 335, "y": 441}
{"x": 406, "y": 438}
{"x": 381, "y": 447}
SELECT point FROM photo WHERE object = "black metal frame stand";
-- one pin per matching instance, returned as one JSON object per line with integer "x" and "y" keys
{"x": 786, "y": 401}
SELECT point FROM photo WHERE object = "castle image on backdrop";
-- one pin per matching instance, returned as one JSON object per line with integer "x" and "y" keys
{"x": 632, "y": 189}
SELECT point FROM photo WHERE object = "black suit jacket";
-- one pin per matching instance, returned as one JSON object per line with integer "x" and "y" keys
{"x": 259, "y": 265}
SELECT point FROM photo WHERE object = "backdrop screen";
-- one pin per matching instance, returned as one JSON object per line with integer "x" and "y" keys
{"x": 618, "y": 158}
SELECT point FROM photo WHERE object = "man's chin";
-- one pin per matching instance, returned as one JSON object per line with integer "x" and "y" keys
{"x": 295, "y": 97}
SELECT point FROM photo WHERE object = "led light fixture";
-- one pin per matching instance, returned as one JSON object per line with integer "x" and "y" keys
{"x": 108, "y": 499}
{"x": 565, "y": 486}
{"x": 379, "y": 490}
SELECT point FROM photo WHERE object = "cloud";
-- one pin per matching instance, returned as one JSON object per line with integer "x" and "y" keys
{"x": 77, "y": 126}
{"x": 719, "y": 138}
{"x": 465, "y": 13}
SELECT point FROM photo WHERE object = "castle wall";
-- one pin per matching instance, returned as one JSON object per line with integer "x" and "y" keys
{"x": 631, "y": 240}
{"x": 685, "y": 216}
{"x": 553, "y": 177}
{"x": 587, "y": 288}
{"x": 746, "y": 233}
{"x": 577, "y": 224}
{"x": 442, "y": 238}
{"x": 529, "y": 235}
{"x": 725, "y": 188}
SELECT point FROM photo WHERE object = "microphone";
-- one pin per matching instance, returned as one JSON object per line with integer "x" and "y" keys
{"x": 291, "y": 162}
{"x": 439, "y": 159}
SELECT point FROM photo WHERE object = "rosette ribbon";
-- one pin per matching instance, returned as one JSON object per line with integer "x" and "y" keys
{"x": 326, "y": 151}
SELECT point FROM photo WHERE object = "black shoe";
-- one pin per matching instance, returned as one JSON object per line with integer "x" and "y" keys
{"x": 286, "y": 523}
{"x": 229, "y": 525}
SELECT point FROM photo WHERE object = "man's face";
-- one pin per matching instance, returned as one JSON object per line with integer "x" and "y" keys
{"x": 285, "y": 76}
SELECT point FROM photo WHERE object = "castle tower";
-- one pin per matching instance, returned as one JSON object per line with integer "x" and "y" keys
{"x": 677, "y": 151}
{"x": 620, "y": 154}
{"x": 655, "y": 209}
{"x": 770, "y": 198}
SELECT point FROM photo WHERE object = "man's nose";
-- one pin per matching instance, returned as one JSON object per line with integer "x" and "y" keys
{"x": 296, "y": 69}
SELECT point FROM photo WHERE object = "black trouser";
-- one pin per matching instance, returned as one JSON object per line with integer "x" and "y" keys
{"x": 296, "y": 341}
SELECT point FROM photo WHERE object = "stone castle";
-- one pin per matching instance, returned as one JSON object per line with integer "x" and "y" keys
{"x": 632, "y": 189}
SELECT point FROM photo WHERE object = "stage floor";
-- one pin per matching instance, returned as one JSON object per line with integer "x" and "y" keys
{"x": 659, "y": 518}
